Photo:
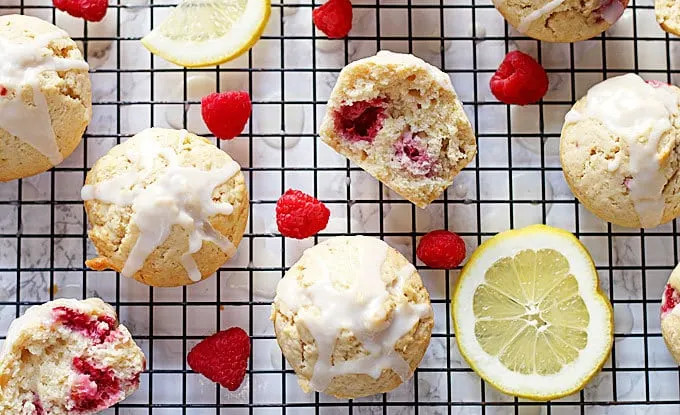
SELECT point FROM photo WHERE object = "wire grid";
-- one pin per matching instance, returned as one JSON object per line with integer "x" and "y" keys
{"x": 43, "y": 240}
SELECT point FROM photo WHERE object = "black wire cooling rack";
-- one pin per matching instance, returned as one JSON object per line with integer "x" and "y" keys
{"x": 43, "y": 240}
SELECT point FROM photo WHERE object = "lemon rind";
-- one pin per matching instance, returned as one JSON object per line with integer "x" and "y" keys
{"x": 538, "y": 394}
{"x": 193, "y": 53}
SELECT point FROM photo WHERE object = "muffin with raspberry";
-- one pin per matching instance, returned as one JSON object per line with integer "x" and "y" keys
{"x": 352, "y": 317}
{"x": 620, "y": 151}
{"x": 561, "y": 20}
{"x": 45, "y": 96}
{"x": 68, "y": 357}
{"x": 670, "y": 314}
{"x": 399, "y": 118}
{"x": 166, "y": 208}
{"x": 668, "y": 15}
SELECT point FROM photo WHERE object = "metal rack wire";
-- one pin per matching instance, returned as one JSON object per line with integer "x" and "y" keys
{"x": 43, "y": 240}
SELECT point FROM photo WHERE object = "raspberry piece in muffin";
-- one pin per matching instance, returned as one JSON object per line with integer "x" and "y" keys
{"x": 98, "y": 328}
{"x": 68, "y": 357}
{"x": 670, "y": 299}
{"x": 360, "y": 121}
{"x": 398, "y": 118}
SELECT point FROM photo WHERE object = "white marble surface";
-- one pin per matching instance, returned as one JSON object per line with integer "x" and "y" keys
{"x": 44, "y": 236}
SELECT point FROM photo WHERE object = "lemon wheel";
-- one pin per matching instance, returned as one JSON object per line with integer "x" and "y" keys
{"x": 208, "y": 32}
{"x": 529, "y": 315}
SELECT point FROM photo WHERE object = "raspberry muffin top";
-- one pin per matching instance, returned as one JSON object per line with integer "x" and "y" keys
{"x": 166, "y": 207}
{"x": 619, "y": 151}
{"x": 45, "y": 96}
{"x": 352, "y": 317}
{"x": 561, "y": 20}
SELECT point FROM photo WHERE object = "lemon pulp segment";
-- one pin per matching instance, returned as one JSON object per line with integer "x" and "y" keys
{"x": 202, "y": 20}
{"x": 529, "y": 312}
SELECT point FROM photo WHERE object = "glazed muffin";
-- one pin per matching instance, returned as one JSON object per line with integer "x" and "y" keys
{"x": 561, "y": 20}
{"x": 670, "y": 318}
{"x": 45, "y": 96}
{"x": 166, "y": 207}
{"x": 668, "y": 15}
{"x": 619, "y": 151}
{"x": 67, "y": 357}
{"x": 352, "y": 317}
{"x": 398, "y": 118}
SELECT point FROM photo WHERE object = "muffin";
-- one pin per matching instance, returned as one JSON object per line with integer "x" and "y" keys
{"x": 668, "y": 15}
{"x": 352, "y": 317}
{"x": 166, "y": 207}
{"x": 45, "y": 96}
{"x": 398, "y": 118}
{"x": 67, "y": 357}
{"x": 619, "y": 151}
{"x": 670, "y": 318}
{"x": 561, "y": 20}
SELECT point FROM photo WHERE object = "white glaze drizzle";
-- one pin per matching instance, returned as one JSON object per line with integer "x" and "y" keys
{"x": 640, "y": 114}
{"x": 351, "y": 296}
{"x": 21, "y": 65}
{"x": 527, "y": 20}
{"x": 179, "y": 195}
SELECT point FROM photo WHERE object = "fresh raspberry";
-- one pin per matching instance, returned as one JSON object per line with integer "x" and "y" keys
{"x": 671, "y": 298}
{"x": 3, "y": 91}
{"x": 226, "y": 113}
{"x": 519, "y": 80}
{"x": 441, "y": 249}
{"x": 299, "y": 215}
{"x": 90, "y": 10}
{"x": 334, "y": 18}
{"x": 222, "y": 357}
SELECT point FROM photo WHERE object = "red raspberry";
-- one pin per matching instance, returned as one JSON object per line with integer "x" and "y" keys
{"x": 90, "y": 10}
{"x": 222, "y": 357}
{"x": 519, "y": 80}
{"x": 226, "y": 113}
{"x": 299, "y": 215}
{"x": 334, "y": 18}
{"x": 441, "y": 249}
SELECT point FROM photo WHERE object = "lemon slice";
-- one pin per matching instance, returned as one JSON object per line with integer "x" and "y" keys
{"x": 208, "y": 32}
{"x": 529, "y": 314}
